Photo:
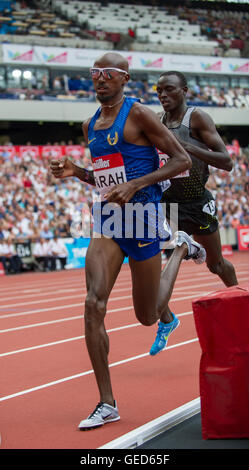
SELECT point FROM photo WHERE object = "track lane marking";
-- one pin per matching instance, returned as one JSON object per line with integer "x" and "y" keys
{"x": 82, "y": 294}
{"x": 75, "y": 338}
{"x": 88, "y": 372}
{"x": 124, "y": 277}
{"x": 69, "y": 306}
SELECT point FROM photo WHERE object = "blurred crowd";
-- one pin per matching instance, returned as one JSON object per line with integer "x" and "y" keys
{"x": 231, "y": 191}
{"x": 37, "y": 208}
{"x": 222, "y": 97}
{"x": 34, "y": 205}
{"x": 229, "y": 28}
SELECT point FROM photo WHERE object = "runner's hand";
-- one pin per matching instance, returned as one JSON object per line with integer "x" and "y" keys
{"x": 62, "y": 168}
{"x": 121, "y": 193}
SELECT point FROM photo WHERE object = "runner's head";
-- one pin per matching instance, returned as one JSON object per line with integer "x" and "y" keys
{"x": 171, "y": 89}
{"x": 110, "y": 73}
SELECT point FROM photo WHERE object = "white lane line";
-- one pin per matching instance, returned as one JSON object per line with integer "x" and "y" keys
{"x": 34, "y": 325}
{"x": 54, "y": 293}
{"x": 56, "y": 299}
{"x": 82, "y": 374}
{"x": 39, "y": 310}
{"x": 38, "y": 293}
{"x": 51, "y": 299}
{"x": 75, "y": 338}
{"x": 67, "y": 340}
{"x": 45, "y": 283}
{"x": 69, "y": 306}
{"x": 76, "y": 317}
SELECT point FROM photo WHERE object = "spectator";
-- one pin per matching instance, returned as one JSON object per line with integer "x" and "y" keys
{"x": 46, "y": 233}
{"x": 8, "y": 257}
{"x": 3, "y": 255}
{"x": 57, "y": 84}
{"x": 42, "y": 254}
{"x": 58, "y": 252}
{"x": 12, "y": 258}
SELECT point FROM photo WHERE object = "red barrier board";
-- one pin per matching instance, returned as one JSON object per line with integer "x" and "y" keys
{"x": 243, "y": 237}
{"x": 43, "y": 151}
{"x": 227, "y": 250}
{"x": 2, "y": 272}
{"x": 222, "y": 324}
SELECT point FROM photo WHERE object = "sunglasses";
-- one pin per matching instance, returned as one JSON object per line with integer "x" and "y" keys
{"x": 107, "y": 72}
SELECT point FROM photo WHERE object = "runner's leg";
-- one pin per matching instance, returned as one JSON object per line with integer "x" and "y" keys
{"x": 215, "y": 261}
{"x": 152, "y": 288}
{"x": 103, "y": 263}
{"x": 187, "y": 248}
{"x": 167, "y": 282}
{"x": 145, "y": 288}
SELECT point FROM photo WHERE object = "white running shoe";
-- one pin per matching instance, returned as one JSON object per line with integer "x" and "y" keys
{"x": 195, "y": 250}
{"x": 102, "y": 414}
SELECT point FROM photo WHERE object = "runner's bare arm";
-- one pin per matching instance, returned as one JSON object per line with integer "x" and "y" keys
{"x": 84, "y": 175}
{"x": 147, "y": 124}
{"x": 203, "y": 129}
{"x": 65, "y": 168}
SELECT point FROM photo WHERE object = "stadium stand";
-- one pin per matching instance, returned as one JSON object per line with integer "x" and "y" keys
{"x": 162, "y": 28}
{"x": 170, "y": 28}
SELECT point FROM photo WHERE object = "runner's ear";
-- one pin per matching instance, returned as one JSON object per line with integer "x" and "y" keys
{"x": 125, "y": 79}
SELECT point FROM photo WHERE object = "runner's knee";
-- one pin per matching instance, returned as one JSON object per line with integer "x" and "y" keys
{"x": 95, "y": 309}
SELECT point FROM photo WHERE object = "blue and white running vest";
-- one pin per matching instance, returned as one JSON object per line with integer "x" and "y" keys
{"x": 116, "y": 161}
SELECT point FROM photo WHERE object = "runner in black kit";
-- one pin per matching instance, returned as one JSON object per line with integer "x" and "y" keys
{"x": 197, "y": 213}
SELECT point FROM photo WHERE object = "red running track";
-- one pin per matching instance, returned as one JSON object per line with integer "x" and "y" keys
{"x": 47, "y": 383}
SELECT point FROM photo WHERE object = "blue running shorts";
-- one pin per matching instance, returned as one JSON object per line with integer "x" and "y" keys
{"x": 139, "y": 229}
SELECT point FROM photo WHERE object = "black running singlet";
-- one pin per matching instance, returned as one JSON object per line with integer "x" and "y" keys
{"x": 189, "y": 185}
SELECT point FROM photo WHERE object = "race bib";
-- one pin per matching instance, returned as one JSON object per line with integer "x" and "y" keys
{"x": 165, "y": 185}
{"x": 109, "y": 170}
{"x": 209, "y": 208}
{"x": 163, "y": 158}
